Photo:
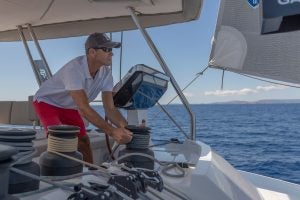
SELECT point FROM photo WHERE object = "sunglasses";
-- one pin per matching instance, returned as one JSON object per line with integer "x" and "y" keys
{"x": 105, "y": 49}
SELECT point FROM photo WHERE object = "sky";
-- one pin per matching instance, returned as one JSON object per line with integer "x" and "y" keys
{"x": 184, "y": 47}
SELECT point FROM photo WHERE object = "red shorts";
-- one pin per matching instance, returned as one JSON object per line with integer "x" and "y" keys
{"x": 52, "y": 115}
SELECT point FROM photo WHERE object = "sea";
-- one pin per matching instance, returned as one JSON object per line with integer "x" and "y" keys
{"x": 259, "y": 138}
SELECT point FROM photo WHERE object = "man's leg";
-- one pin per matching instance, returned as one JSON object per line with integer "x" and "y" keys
{"x": 72, "y": 117}
{"x": 84, "y": 146}
{"x": 52, "y": 115}
{"x": 48, "y": 114}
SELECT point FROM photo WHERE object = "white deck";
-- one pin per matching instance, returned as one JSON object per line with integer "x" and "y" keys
{"x": 273, "y": 189}
{"x": 213, "y": 178}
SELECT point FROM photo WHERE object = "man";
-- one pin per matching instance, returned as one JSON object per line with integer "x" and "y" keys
{"x": 65, "y": 97}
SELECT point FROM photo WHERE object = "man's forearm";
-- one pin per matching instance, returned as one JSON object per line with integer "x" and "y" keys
{"x": 93, "y": 117}
{"x": 116, "y": 117}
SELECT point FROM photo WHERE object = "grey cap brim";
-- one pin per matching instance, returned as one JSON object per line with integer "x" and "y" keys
{"x": 112, "y": 45}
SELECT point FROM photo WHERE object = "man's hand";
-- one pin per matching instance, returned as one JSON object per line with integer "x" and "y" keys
{"x": 111, "y": 112}
{"x": 121, "y": 135}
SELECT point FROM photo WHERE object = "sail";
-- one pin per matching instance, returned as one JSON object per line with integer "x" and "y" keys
{"x": 259, "y": 38}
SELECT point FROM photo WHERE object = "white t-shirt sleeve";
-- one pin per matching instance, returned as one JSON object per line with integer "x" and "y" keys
{"x": 73, "y": 78}
{"x": 108, "y": 81}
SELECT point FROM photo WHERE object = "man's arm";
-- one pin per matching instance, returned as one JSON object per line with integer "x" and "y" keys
{"x": 112, "y": 113}
{"x": 121, "y": 135}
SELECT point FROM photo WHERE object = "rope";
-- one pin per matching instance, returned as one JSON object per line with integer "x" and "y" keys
{"x": 62, "y": 144}
{"x": 35, "y": 177}
{"x": 222, "y": 83}
{"x": 121, "y": 56}
{"x": 108, "y": 142}
{"x": 24, "y": 157}
{"x": 136, "y": 154}
{"x": 57, "y": 145}
{"x": 165, "y": 170}
{"x": 256, "y": 78}
{"x": 273, "y": 82}
{"x": 80, "y": 161}
{"x": 192, "y": 81}
{"x": 48, "y": 8}
{"x": 166, "y": 112}
{"x": 172, "y": 119}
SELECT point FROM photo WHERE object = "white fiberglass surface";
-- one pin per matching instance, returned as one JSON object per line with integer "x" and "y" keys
{"x": 37, "y": 12}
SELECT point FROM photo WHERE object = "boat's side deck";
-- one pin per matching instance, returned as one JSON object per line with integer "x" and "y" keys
{"x": 273, "y": 189}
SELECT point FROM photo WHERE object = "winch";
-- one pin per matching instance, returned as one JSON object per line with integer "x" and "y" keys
{"x": 62, "y": 139}
{"x": 21, "y": 139}
{"x": 6, "y": 154}
{"x": 139, "y": 90}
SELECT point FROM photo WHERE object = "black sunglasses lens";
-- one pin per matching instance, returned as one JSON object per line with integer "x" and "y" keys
{"x": 106, "y": 49}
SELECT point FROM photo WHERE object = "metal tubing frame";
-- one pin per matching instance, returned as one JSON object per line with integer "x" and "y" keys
{"x": 33, "y": 36}
{"x": 22, "y": 37}
{"x": 166, "y": 70}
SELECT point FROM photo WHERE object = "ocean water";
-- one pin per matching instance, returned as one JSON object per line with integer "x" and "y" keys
{"x": 258, "y": 138}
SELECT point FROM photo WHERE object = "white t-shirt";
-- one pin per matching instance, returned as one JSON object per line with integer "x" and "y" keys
{"x": 74, "y": 75}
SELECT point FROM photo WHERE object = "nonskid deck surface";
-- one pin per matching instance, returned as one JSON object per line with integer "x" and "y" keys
{"x": 202, "y": 171}
{"x": 47, "y": 191}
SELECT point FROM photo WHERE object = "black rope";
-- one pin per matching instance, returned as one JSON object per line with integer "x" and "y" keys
{"x": 48, "y": 8}
{"x": 222, "y": 79}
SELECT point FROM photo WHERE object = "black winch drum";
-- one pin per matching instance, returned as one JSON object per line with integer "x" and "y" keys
{"x": 21, "y": 140}
{"x": 6, "y": 153}
{"x": 19, "y": 183}
{"x": 55, "y": 165}
{"x": 141, "y": 137}
{"x": 138, "y": 144}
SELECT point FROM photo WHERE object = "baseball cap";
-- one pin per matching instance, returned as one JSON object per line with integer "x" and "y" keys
{"x": 98, "y": 40}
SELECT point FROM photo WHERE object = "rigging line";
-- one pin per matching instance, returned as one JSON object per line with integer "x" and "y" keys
{"x": 167, "y": 113}
{"x": 115, "y": 162}
{"x": 79, "y": 161}
{"x": 173, "y": 120}
{"x": 194, "y": 79}
{"x": 273, "y": 82}
{"x": 222, "y": 83}
{"x": 121, "y": 56}
{"x": 48, "y": 8}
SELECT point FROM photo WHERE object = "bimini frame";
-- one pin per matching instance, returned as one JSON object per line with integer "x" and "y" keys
{"x": 150, "y": 44}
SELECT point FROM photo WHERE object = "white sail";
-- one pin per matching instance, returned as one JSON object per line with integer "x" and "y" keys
{"x": 260, "y": 38}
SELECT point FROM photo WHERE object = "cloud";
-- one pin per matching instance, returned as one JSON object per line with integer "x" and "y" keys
{"x": 244, "y": 91}
{"x": 271, "y": 87}
{"x": 188, "y": 94}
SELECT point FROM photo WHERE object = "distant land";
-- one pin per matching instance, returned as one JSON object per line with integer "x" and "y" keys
{"x": 263, "y": 101}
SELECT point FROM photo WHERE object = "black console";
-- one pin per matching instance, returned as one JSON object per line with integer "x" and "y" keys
{"x": 141, "y": 88}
